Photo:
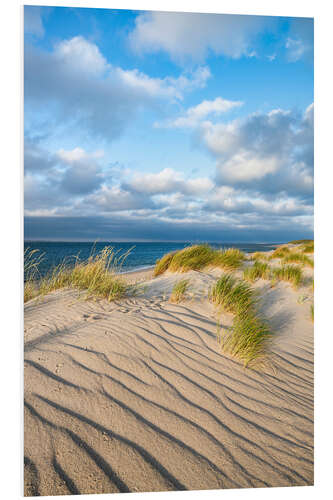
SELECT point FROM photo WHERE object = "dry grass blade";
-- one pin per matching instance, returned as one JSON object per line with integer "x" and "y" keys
{"x": 179, "y": 291}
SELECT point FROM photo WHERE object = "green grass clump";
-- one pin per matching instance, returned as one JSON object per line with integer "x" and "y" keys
{"x": 229, "y": 259}
{"x": 259, "y": 256}
{"x": 247, "y": 339}
{"x": 96, "y": 275}
{"x": 233, "y": 295}
{"x": 280, "y": 252}
{"x": 312, "y": 312}
{"x": 197, "y": 257}
{"x": 308, "y": 248}
{"x": 162, "y": 265}
{"x": 194, "y": 258}
{"x": 298, "y": 258}
{"x": 179, "y": 291}
{"x": 292, "y": 274}
{"x": 257, "y": 271}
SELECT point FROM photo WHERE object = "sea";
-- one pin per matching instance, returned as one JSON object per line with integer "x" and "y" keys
{"x": 140, "y": 255}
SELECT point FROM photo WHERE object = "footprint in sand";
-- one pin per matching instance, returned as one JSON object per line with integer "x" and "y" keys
{"x": 91, "y": 317}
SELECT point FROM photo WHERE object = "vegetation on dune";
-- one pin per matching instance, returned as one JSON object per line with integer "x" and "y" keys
{"x": 229, "y": 259}
{"x": 233, "y": 295}
{"x": 96, "y": 275}
{"x": 280, "y": 252}
{"x": 248, "y": 337}
{"x": 194, "y": 258}
{"x": 298, "y": 258}
{"x": 312, "y": 312}
{"x": 163, "y": 264}
{"x": 308, "y": 248}
{"x": 197, "y": 257}
{"x": 299, "y": 242}
{"x": 257, "y": 271}
{"x": 179, "y": 291}
{"x": 259, "y": 256}
{"x": 290, "y": 273}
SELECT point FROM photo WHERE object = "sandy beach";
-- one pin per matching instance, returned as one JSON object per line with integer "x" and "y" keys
{"x": 136, "y": 395}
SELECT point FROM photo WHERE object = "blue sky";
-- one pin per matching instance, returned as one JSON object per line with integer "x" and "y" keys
{"x": 167, "y": 126}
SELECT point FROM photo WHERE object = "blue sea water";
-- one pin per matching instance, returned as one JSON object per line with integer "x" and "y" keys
{"x": 141, "y": 254}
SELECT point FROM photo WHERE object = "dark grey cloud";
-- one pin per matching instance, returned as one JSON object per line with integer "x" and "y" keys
{"x": 37, "y": 158}
{"x": 121, "y": 228}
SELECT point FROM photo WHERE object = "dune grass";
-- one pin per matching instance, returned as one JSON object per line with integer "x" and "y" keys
{"x": 257, "y": 271}
{"x": 96, "y": 275}
{"x": 32, "y": 261}
{"x": 280, "y": 252}
{"x": 179, "y": 291}
{"x": 312, "y": 312}
{"x": 197, "y": 257}
{"x": 259, "y": 256}
{"x": 233, "y": 295}
{"x": 308, "y": 248}
{"x": 162, "y": 264}
{"x": 229, "y": 259}
{"x": 299, "y": 242}
{"x": 289, "y": 273}
{"x": 248, "y": 337}
{"x": 298, "y": 258}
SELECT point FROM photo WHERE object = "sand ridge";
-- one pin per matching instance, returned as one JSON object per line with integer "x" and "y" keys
{"x": 135, "y": 395}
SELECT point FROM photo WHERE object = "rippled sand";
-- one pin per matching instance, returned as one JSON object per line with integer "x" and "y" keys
{"x": 135, "y": 395}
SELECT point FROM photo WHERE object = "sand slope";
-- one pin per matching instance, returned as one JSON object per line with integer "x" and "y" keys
{"x": 136, "y": 396}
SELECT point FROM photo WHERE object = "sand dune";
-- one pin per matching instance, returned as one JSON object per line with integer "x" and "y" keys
{"x": 136, "y": 395}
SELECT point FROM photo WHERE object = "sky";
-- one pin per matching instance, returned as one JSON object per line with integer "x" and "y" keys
{"x": 159, "y": 126}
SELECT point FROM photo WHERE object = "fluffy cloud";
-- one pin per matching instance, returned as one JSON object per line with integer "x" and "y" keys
{"x": 270, "y": 152}
{"x": 168, "y": 181}
{"x": 77, "y": 84}
{"x": 195, "y": 114}
{"x": 195, "y": 35}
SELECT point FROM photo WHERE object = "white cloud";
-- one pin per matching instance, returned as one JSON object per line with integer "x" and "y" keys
{"x": 77, "y": 84}
{"x": 169, "y": 181}
{"x": 270, "y": 151}
{"x": 78, "y": 155}
{"x": 195, "y": 114}
{"x": 191, "y": 35}
{"x": 246, "y": 166}
{"x": 79, "y": 54}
